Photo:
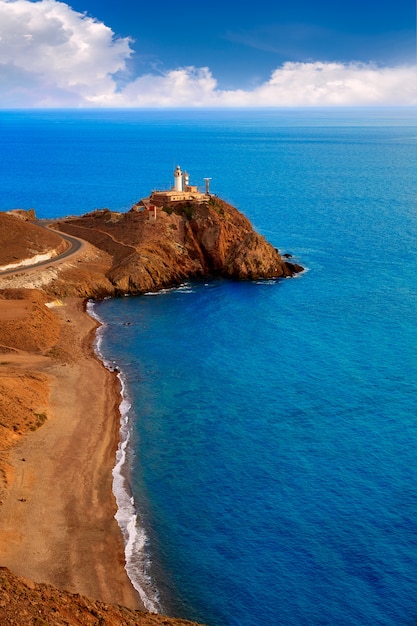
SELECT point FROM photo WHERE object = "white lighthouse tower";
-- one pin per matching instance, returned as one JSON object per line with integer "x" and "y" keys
{"x": 178, "y": 179}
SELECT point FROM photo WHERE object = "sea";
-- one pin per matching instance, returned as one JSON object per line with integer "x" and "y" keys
{"x": 267, "y": 466}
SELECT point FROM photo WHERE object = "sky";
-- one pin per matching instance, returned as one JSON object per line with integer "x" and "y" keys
{"x": 226, "y": 53}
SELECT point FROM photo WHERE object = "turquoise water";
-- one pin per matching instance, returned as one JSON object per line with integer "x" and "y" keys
{"x": 273, "y": 428}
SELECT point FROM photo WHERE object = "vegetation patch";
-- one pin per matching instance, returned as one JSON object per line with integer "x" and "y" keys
{"x": 185, "y": 209}
{"x": 40, "y": 419}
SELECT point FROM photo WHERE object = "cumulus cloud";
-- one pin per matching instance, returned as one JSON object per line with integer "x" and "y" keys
{"x": 293, "y": 84}
{"x": 51, "y": 55}
{"x": 326, "y": 84}
{"x": 188, "y": 86}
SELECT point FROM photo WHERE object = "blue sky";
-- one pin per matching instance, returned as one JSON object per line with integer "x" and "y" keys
{"x": 242, "y": 43}
{"x": 89, "y": 53}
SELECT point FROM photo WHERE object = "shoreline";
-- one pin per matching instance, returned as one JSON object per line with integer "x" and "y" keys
{"x": 57, "y": 523}
{"x": 134, "y": 536}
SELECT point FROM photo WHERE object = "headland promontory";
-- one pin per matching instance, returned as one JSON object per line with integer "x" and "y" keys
{"x": 59, "y": 417}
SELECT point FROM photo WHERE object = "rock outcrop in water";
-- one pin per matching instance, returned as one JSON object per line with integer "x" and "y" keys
{"x": 149, "y": 250}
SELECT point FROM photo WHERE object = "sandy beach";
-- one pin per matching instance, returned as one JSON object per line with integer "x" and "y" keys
{"x": 57, "y": 521}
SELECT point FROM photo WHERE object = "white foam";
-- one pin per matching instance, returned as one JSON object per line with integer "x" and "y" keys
{"x": 183, "y": 287}
{"x": 135, "y": 539}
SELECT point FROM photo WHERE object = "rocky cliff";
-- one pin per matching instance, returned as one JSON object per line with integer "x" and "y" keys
{"x": 185, "y": 240}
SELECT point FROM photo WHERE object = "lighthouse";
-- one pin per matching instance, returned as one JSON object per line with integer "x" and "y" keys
{"x": 180, "y": 191}
{"x": 178, "y": 179}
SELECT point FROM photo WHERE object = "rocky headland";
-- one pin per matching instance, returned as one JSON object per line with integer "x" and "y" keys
{"x": 136, "y": 252}
{"x": 59, "y": 405}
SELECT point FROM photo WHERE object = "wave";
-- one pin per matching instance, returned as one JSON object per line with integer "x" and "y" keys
{"x": 183, "y": 287}
{"x": 137, "y": 558}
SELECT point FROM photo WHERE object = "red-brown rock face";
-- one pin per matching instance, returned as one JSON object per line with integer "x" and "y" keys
{"x": 186, "y": 240}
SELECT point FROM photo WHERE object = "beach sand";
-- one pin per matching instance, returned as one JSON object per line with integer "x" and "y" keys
{"x": 57, "y": 522}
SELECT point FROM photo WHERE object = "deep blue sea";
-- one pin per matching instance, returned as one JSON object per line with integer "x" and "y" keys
{"x": 269, "y": 428}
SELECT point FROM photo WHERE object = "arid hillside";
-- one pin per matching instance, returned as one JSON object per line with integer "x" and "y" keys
{"x": 20, "y": 240}
{"x": 28, "y": 333}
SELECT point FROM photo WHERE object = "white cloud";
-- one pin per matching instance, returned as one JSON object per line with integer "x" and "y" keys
{"x": 325, "y": 84}
{"x": 51, "y": 55}
{"x": 293, "y": 84}
{"x": 188, "y": 86}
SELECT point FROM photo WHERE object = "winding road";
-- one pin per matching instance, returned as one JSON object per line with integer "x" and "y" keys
{"x": 75, "y": 245}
